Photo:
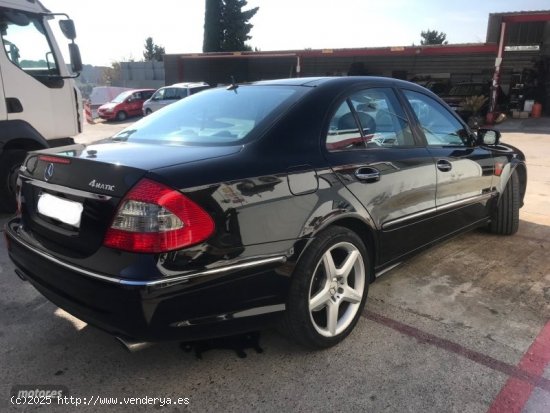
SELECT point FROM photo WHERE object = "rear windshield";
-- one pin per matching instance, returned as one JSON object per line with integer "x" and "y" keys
{"x": 213, "y": 117}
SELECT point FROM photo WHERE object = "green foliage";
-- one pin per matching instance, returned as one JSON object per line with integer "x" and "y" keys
{"x": 473, "y": 104}
{"x": 227, "y": 26}
{"x": 153, "y": 51}
{"x": 433, "y": 37}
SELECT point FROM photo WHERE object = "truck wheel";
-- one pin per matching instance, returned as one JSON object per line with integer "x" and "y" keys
{"x": 10, "y": 161}
{"x": 505, "y": 218}
{"x": 328, "y": 289}
{"x": 120, "y": 116}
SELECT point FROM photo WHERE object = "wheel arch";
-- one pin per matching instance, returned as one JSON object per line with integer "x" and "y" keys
{"x": 359, "y": 226}
{"x": 521, "y": 170}
{"x": 18, "y": 134}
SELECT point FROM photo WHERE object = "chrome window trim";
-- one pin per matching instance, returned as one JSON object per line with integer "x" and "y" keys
{"x": 460, "y": 202}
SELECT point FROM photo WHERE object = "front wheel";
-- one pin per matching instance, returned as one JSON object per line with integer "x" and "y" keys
{"x": 328, "y": 289}
{"x": 120, "y": 116}
{"x": 10, "y": 161}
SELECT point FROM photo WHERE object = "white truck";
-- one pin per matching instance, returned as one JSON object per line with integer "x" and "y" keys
{"x": 40, "y": 105}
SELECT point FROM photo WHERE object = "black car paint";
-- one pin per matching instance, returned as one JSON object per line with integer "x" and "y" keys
{"x": 268, "y": 197}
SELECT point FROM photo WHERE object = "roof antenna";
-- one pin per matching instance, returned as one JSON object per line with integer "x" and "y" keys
{"x": 233, "y": 85}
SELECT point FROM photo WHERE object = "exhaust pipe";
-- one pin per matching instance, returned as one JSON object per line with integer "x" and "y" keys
{"x": 133, "y": 346}
{"x": 20, "y": 275}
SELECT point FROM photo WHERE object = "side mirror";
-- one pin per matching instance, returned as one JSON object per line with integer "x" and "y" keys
{"x": 68, "y": 29}
{"x": 488, "y": 137}
{"x": 76, "y": 59}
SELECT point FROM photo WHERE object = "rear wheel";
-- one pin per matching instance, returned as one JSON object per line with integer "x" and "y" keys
{"x": 10, "y": 161}
{"x": 505, "y": 219}
{"x": 328, "y": 289}
{"x": 120, "y": 116}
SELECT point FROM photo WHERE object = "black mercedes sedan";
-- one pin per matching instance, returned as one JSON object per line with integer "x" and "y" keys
{"x": 276, "y": 201}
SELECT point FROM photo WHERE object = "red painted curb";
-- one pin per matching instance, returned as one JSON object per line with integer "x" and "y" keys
{"x": 515, "y": 393}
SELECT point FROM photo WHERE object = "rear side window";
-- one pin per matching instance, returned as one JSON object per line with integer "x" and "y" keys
{"x": 180, "y": 93}
{"x": 371, "y": 118}
{"x": 215, "y": 116}
{"x": 440, "y": 127}
{"x": 382, "y": 118}
{"x": 343, "y": 132}
{"x": 171, "y": 93}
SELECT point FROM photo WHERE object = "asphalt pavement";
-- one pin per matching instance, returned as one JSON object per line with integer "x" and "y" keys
{"x": 462, "y": 327}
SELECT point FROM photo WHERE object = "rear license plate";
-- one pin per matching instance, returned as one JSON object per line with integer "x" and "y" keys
{"x": 64, "y": 210}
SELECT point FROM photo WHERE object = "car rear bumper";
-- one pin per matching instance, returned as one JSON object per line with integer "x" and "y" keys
{"x": 187, "y": 310}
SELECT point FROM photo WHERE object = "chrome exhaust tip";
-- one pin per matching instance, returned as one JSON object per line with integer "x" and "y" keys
{"x": 134, "y": 346}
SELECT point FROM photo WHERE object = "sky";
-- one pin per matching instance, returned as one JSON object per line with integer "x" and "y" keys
{"x": 115, "y": 30}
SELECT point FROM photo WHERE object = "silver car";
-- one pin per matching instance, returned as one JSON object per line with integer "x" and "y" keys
{"x": 170, "y": 94}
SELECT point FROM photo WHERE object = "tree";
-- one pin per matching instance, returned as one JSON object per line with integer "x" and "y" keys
{"x": 213, "y": 34}
{"x": 112, "y": 75}
{"x": 153, "y": 51}
{"x": 227, "y": 26}
{"x": 433, "y": 37}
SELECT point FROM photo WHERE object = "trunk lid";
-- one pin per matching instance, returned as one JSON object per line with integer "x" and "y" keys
{"x": 90, "y": 181}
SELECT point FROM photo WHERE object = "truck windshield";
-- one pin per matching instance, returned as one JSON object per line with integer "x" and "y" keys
{"x": 215, "y": 117}
{"x": 25, "y": 43}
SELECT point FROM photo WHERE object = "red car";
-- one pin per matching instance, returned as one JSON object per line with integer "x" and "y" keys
{"x": 126, "y": 104}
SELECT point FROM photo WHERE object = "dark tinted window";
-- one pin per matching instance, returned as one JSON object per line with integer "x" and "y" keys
{"x": 439, "y": 126}
{"x": 214, "y": 117}
{"x": 343, "y": 132}
{"x": 171, "y": 93}
{"x": 382, "y": 119}
{"x": 194, "y": 90}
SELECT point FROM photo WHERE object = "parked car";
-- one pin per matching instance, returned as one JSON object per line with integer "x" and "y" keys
{"x": 126, "y": 104}
{"x": 460, "y": 91}
{"x": 276, "y": 201}
{"x": 170, "y": 94}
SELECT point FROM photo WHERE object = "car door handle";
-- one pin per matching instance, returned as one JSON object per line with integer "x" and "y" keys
{"x": 367, "y": 174}
{"x": 444, "y": 165}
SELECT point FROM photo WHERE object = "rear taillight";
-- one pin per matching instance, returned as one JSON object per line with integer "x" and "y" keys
{"x": 155, "y": 218}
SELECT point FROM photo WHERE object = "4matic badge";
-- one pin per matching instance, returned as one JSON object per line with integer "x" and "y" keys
{"x": 98, "y": 185}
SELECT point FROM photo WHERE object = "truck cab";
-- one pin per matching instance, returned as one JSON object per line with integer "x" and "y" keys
{"x": 40, "y": 105}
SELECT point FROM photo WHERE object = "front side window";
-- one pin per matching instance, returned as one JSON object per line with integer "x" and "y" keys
{"x": 440, "y": 127}
{"x": 215, "y": 117}
{"x": 26, "y": 45}
{"x": 121, "y": 97}
{"x": 159, "y": 94}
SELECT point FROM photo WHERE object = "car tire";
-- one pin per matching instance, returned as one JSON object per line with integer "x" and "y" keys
{"x": 121, "y": 116}
{"x": 326, "y": 300}
{"x": 148, "y": 112}
{"x": 505, "y": 218}
{"x": 10, "y": 161}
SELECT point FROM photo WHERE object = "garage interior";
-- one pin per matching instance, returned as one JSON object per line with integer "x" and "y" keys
{"x": 522, "y": 39}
